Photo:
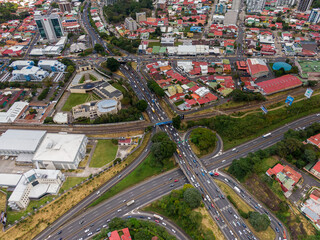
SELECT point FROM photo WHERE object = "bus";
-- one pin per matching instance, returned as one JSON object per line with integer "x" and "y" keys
{"x": 266, "y": 135}
{"x": 130, "y": 203}
{"x": 157, "y": 216}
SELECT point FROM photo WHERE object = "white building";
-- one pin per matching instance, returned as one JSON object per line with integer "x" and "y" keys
{"x": 14, "y": 142}
{"x": 49, "y": 27}
{"x": 314, "y": 16}
{"x": 17, "y": 65}
{"x": 60, "y": 151}
{"x": 130, "y": 24}
{"x": 141, "y": 17}
{"x": 13, "y": 112}
{"x": 33, "y": 184}
{"x": 202, "y": 91}
{"x": 30, "y": 73}
{"x": 287, "y": 3}
{"x": 52, "y": 65}
{"x": 255, "y": 5}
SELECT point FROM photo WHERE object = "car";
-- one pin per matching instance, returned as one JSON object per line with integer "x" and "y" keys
{"x": 105, "y": 226}
{"x": 92, "y": 225}
{"x": 98, "y": 192}
{"x": 171, "y": 185}
{"x": 163, "y": 223}
{"x": 229, "y": 211}
{"x": 87, "y": 230}
{"x": 89, "y": 234}
{"x": 157, "y": 221}
{"x": 176, "y": 180}
{"x": 124, "y": 200}
{"x": 149, "y": 218}
{"x": 174, "y": 231}
{"x": 217, "y": 218}
{"x": 59, "y": 232}
{"x": 170, "y": 179}
{"x": 277, "y": 230}
{"x": 119, "y": 210}
{"x": 108, "y": 220}
{"x": 98, "y": 229}
{"x": 222, "y": 196}
{"x": 212, "y": 205}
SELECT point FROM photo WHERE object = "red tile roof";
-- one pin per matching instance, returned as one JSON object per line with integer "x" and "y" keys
{"x": 288, "y": 171}
{"x": 317, "y": 167}
{"x": 275, "y": 170}
{"x": 279, "y": 84}
{"x": 315, "y": 140}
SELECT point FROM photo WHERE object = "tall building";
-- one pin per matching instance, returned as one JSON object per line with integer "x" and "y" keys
{"x": 304, "y": 5}
{"x": 288, "y": 3}
{"x": 130, "y": 24}
{"x": 140, "y": 17}
{"x": 314, "y": 16}
{"x": 255, "y": 5}
{"x": 65, "y": 7}
{"x": 50, "y": 27}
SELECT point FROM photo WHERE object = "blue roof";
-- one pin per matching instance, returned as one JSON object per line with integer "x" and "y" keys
{"x": 279, "y": 65}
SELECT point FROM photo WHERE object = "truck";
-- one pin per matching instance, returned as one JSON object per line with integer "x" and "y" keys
{"x": 237, "y": 189}
{"x": 130, "y": 203}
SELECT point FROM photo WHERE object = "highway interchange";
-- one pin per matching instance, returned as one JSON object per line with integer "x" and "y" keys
{"x": 82, "y": 222}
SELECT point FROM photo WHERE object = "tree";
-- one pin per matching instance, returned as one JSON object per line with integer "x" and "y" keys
{"x": 162, "y": 147}
{"x": 310, "y": 155}
{"x": 113, "y": 64}
{"x": 176, "y": 122}
{"x": 98, "y": 48}
{"x": 203, "y": 138}
{"x": 54, "y": 5}
{"x": 192, "y": 197}
{"x": 142, "y": 105}
{"x": 259, "y": 222}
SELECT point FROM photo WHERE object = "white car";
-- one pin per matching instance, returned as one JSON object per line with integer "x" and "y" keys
{"x": 174, "y": 231}
{"x": 87, "y": 230}
{"x": 119, "y": 210}
{"x": 89, "y": 234}
{"x": 105, "y": 226}
{"x": 163, "y": 223}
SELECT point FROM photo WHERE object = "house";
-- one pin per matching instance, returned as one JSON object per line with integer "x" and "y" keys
{"x": 257, "y": 67}
{"x": 279, "y": 84}
{"x": 314, "y": 140}
{"x": 285, "y": 175}
{"x": 311, "y": 207}
{"x": 315, "y": 170}
{"x": 115, "y": 235}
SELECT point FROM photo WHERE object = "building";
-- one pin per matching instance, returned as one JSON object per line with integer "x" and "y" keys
{"x": 30, "y": 74}
{"x": 304, "y": 5}
{"x": 49, "y": 27}
{"x": 141, "y": 17}
{"x": 314, "y": 140}
{"x": 314, "y": 16}
{"x": 109, "y": 2}
{"x": 33, "y": 184}
{"x": 311, "y": 207}
{"x": 60, "y": 151}
{"x": 286, "y": 176}
{"x": 279, "y": 84}
{"x": 130, "y": 24}
{"x": 124, "y": 236}
{"x": 13, "y": 112}
{"x": 102, "y": 88}
{"x": 167, "y": 41}
{"x": 287, "y": 3}
{"x": 52, "y": 65}
{"x": 17, "y": 65}
{"x": 257, "y": 67}
{"x": 255, "y": 5}
{"x": 220, "y": 8}
{"x": 14, "y": 142}
{"x": 315, "y": 170}
{"x": 65, "y": 7}
{"x": 95, "y": 109}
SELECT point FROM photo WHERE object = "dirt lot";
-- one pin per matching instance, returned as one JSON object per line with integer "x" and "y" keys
{"x": 296, "y": 223}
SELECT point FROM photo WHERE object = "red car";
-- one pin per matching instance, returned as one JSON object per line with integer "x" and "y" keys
{"x": 157, "y": 221}
{"x": 212, "y": 205}
{"x": 176, "y": 180}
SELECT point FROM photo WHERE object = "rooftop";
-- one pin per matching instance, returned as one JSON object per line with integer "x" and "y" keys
{"x": 279, "y": 84}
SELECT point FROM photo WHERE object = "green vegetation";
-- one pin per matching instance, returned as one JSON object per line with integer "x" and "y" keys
{"x": 75, "y": 99}
{"x": 142, "y": 105}
{"x": 8, "y": 11}
{"x": 148, "y": 168}
{"x": 176, "y": 122}
{"x": 240, "y": 96}
{"x": 152, "y": 44}
{"x": 119, "y": 87}
{"x": 235, "y": 131}
{"x": 162, "y": 147}
{"x": 175, "y": 207}
{"x": 129, "y": 45}
{"x": 154, "y": 86}
{"x": 99, "y": 49}
{"x": 104, "y": 153}
{"x": 260, "y": 222}
{"x": 71, "y": 182}
{"x": 139, "y": 230}
{"x": 204, "y": 139}
{"x": 112, "y": 64}
{"x": 121, "y": 9}
{"x": 43, "y": 94}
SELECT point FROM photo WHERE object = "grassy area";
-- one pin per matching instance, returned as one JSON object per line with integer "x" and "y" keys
{"x": 145, "y": 170}
{"x": 70, "y": 182}
{"x": 104, "y": 153}
{"x": 202, "y": 141}
{"x": 37, "y": 222}
{"x": 152, "y": 44}
{"x": 268, "y": 234}
{"x": 84, "y": 162}
{"x": 235, "y": 131}
{"x": 119, "y": 87}
{"x": 179, "y": 102}
{"x": 208, "y": 223}
{"x": 3, "y": 201}
{"x": 78, "y": 98}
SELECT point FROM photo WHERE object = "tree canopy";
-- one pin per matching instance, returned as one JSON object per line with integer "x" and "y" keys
{"x": 142, "y": 105}
{"x": 240, "y": 96}
{"x": 154, "y": 86}
{"x": 203, "y": 138}
{"x": 192, "y": 197}
{"x": 162, "y": 147}
{"x": 176, "y": 122}
{"x": 113, "y": 64}
{"x": 259, "y": 222}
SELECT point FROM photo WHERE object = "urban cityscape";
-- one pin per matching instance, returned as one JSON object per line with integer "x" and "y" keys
{"x": 160, "y": 120}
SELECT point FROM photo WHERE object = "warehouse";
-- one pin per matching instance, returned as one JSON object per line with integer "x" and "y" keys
{"x": 60, "y": 151}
